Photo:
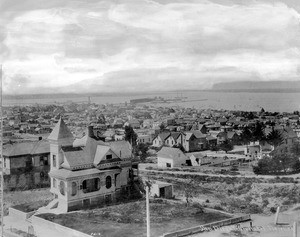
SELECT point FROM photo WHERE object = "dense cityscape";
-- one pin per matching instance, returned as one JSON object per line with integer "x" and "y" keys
{"x": 50, "y": 150}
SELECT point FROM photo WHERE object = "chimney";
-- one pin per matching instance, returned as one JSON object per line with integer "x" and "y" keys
{"x": 91, "y": 132}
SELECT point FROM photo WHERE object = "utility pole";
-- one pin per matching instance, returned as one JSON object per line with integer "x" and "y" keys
{"x": 2, "y": 159}
{"x": 147, "y": 209}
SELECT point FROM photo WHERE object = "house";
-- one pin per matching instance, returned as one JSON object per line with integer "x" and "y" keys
{"x": 159, "y": 140}
{"x": 202, "y": 128}
{"x": 144, "y": 138}
{"x": 198, "y": 159}
{"x": 26, "y": 164}
{"x": 134, "y": 123}
{"x": 174, "y": 138}
{"x": 232, "y": 137}
{"x": 169, "y": 157}
{"x": 222, "y": 137}
{"x": 194, "y": 141}
{"x": 211, "y": 141}
{"x": 86, "y": 172}
{"x": 253, "y": 151}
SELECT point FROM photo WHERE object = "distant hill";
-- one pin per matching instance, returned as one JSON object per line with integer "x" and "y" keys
{"x": 265, "y": 86}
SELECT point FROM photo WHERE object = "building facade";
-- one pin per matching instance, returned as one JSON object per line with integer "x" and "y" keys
{"x": 86, "y": 172}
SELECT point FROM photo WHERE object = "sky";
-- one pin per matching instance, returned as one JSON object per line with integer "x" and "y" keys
{"x": 145, "y": 45}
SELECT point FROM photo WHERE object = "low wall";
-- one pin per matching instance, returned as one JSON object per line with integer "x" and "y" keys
{"x": 19, "y": 214}
{"x": 207, "y": 227}
{"x": 44, "y": 228}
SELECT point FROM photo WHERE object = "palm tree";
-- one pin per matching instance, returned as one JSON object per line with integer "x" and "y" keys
{"x": 274, "y": 138}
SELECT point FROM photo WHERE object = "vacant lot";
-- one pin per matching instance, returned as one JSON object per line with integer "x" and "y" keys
{"x": 39, "y": 197}
{"x": 236, "y": 194}
{"x": 128, "y": 220}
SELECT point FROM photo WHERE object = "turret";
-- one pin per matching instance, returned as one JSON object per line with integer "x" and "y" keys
{"x": 60, "y": 136}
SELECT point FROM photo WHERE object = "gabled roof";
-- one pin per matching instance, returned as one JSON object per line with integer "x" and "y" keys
{"x": 60, "y": 131}
{"x": 210, "y": 138}
{"x": 230, "y": 134}
{"x": 101, "y": 151}
{"x": 26, "y": 148}
{"x": 169, "y": 152}
{"x": 163, "y": 136}
{"x": 122, "y": 149}
{"x": 188, "y": 135}
{"x": 75, "y": 158}
{"x": 198, "y": 134}
{"x": 175, "y": 135}
{"x": 41, "y": 147}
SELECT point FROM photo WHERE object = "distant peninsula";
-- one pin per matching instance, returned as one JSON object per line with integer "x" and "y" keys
{"x": 258, "y": 86}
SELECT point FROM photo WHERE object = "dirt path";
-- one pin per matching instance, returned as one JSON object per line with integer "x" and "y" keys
{"x": 142, "y": 167}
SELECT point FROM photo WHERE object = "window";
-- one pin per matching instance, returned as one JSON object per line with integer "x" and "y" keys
{"x": 43, "y": 161}
{"x": 62, "y": 187}
{"x": 108, "y": 157}
{"x": 91, "y": 185}
{"x": 46, "y": 160}
{"x": 168, "y": 164}
{"x": 108, "y": 182}
{"x": 54, "y": 183}
{"x": 74, "y": 189}
{"x": 54, "y": 160}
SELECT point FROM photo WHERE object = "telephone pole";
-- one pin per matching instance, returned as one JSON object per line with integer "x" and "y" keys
{"x": 2, "y": 159}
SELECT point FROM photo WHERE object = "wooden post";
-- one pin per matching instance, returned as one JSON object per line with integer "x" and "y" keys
{"x": 276, "y": 215}
{"x": 295, "y": 229}
{"x": 148, "y": 211}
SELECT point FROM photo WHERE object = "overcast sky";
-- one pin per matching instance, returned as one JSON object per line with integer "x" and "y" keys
{"x": 127, "y": 45}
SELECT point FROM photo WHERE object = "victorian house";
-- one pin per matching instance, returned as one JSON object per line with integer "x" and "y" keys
{"x": 86, "y": 172}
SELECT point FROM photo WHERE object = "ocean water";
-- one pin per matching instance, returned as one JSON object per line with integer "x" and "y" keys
{"x": 247, "y": 101}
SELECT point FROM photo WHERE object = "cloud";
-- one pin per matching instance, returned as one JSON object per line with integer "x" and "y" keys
{"x": 147, "y": 45}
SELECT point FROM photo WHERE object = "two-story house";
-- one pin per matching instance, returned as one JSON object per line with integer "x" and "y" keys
{"x": 86, "y": 172}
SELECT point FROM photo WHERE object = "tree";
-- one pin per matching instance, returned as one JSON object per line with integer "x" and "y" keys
{"x": 141, "y": 151}
{"x": 162, "y": 127}
{"x": 274, "y": 138}
{"x": 284, "y": 162}
{"x": 130, "y": 135}
{"x": 246, "y": 135}
{"x": 188, "y": 191}
{"x": 226, "y": 146}
{"x": 258, "y": 132}
{"x": 279, "y": 163}
{"x": 295, "y": 149}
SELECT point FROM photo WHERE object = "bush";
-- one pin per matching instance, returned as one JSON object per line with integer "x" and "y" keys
{"x": 207, "y": 201}
{"x": 273, "y": 209}
{"x": 254, "y": 209}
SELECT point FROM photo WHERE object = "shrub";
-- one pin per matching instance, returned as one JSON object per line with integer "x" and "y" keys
{"x": 254, "y": 209}
{"x": 273, "y": 209}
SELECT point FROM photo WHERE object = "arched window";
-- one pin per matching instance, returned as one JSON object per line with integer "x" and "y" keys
{"x": 62, "y": 187}
{"x": 91, "y": 185}
{"x": 74, "y": 188}
{"x": 108, "y": 182}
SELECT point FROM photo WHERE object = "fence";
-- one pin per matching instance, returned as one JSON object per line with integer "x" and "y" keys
{"x": 208, "y": 227}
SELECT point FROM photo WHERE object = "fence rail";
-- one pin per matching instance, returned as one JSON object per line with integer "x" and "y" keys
{"x": 207, "y": 227}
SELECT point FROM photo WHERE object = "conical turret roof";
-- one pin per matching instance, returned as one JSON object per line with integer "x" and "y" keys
{"x": 60, "y": 131}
